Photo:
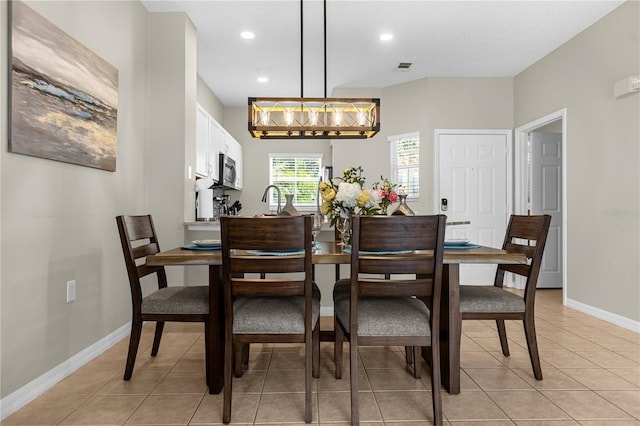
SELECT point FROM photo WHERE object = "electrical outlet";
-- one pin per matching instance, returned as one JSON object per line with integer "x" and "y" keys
{"x": 71, "y": 291}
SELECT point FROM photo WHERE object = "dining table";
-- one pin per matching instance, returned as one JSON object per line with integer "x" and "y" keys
{"x": 330, "y": 253}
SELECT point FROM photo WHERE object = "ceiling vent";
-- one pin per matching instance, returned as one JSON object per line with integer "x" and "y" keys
{"x": 403, "y": 66}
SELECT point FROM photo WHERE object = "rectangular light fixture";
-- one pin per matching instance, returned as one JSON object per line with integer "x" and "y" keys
{"x": 314, "y": 118}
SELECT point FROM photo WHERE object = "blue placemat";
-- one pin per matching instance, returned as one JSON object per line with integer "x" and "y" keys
{"x": 275, "y": 252}
{"x": 196, "y": 247}
{"x": 461, "y": 247}
{"x": 379, "y": 253}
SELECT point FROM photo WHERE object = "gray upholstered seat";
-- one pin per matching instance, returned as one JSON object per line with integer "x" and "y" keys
{"x": 177, "y": 300}
{"x": 489, "y": 299}
{"x": 383, "y": 316}
{"x": 273, "y": 315}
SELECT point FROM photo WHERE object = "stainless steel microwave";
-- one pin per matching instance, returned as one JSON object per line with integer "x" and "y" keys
{"x": 227, "y": 172}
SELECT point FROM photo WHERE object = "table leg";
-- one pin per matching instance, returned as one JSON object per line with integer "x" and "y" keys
{"x": 450, "y": 324}
{"x": 215, "y": 343}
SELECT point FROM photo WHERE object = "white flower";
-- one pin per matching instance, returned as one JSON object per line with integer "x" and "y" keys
{"x": 347, "y": 193}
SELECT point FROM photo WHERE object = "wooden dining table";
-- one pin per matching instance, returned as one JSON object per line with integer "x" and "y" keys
{"x": 329, "y": 253}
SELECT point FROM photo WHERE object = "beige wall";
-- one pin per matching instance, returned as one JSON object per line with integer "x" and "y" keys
{"x": 603, "y": 139}
{"x": 57, "y": 219}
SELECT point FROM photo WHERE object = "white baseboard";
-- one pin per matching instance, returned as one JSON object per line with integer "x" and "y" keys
{"x": 27, "y": 393}
{"x": 604, "y": 315}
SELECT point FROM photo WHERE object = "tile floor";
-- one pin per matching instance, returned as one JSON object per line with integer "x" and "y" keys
{"x": 591, "y": 377}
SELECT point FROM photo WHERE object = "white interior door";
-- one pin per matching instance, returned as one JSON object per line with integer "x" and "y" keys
{"x": 474, "y": 170}
{"x": 546, "y": 198}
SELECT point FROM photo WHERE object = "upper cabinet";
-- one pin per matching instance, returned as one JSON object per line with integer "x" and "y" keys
{"x": 207, "y": 140}
{"x": 211, "y": 141}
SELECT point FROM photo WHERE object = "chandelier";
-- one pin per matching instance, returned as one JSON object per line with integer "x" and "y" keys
{"x": 313, "y": 118}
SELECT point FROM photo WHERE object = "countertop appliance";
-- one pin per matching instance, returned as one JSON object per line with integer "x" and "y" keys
{"x": 227, "y": 172}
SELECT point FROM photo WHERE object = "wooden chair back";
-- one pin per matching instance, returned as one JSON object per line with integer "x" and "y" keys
{"x": 527, "y": 235}
{"x": 139, "y": 240}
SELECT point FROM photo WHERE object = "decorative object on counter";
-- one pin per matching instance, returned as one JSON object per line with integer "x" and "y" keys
{"x": 403, "y": 208}
{"x": 289, "y": 209}
{"x": 343, "y": 225}
{"x": 385, "y": 193}
{"x": 205, "y": 209}
{"x": 347, "y": 196}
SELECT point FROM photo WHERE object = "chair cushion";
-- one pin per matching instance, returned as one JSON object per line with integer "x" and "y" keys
{"x": 274, "y": 315}
{"x": 382, "y": 316}
{"x": 489, "y": 299}
{"x": 177, "y": 300}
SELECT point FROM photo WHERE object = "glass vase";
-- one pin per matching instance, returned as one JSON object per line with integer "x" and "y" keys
{"x": 403, "y": 208}
{"x": 289, "y": 209}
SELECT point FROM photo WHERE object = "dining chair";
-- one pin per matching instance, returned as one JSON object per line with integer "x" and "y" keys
{"x": 527, "y": 235}
{"x": 269, "y": 295}
{"x": 167, "y": 303}
{"x": 400, "y": 303}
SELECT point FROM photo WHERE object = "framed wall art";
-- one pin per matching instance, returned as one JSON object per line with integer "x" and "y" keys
{"x": 63, "y": 97}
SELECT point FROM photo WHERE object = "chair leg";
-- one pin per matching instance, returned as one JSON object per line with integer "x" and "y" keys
{"x": 435, "y": 385}
{"x": 417, "y": 362}
{"x": 502, "y": 332}
{"x": 238, "y": 353}
{"x": 207, "y": 354}
{"x": 532, "y": 344}
{"x": 316, "y": 351}
{"x": 228, "y": 367}
{"x": 157, "y": 337}
{"x": 353, "y": 366}
{"x": 337, "y": 348}
{"x": 408, "y": 354}
{"x": 134, "y": 342}
{"x": 308, "y": 380}
{"x": 246, "y": 349}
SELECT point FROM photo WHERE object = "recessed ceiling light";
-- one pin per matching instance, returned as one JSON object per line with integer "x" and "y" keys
{"x": 262, "y": 79}
{"x": 247, "y": 35}
{"x": 386, "y": 36}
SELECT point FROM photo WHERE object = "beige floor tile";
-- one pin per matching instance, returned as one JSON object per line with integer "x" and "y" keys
{"x": 336, "y": 407}
{"x": 480, "y": 423}
{"x": 517, "y": 359}
{"x": 166, "y": 409}
{"x": 181, "y": 383}
{"x": 546, "y": 423}
{"x": 250, "y": 382}
{"x": 479, "y": 360}
{"x": 386, "y": 357}
{"x": 552, "y": 378}
{"x": 492, "y": 344}
{"x": 610, "y": 423}
{"x": 609, "y": 359}
{"x": 141, "y": 383}
{"x": 470, "y": 405}
{"x": 526, "y": 405}
{"x": 497, "y": 378}
{"x": 328, "y": 383}
{"x": 393, "y": 379}
{"x": 190, "y": 363}
{"x": 284, "y": 408}
{"x": 286, "y": 381}
{"x": 567, "y": 359}
{"x": 629, "y": 374}
{"x": 584, "y": 405}
{"x": 259, "y": 360}
{"x": 46, "y": 410}
{"x": 629, "y": 401}
{"x": 105, "y": 410}
{"x": 599, "y": 379}
{"x": 468, "y": 344}
{"x": 84, "y": 381}
{"x": 405, "y": 405}
{"x": 286, "y": 361}
{"x": 243, "y": 409}
{"x": 632, "y": 355}
{"x": 161, "y": 362}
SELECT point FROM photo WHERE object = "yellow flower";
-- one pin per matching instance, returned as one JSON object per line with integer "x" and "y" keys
{"x": 363, "y": 198}
{"x": 328, "y": 194}
{"x": 325, "y": 208}
{"x": 346, "y": 171}
{"x": 323, "y": 185}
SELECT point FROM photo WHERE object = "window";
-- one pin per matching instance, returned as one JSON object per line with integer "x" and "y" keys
{"x": 297, "y": 174}
{"x": 405, "y": 162}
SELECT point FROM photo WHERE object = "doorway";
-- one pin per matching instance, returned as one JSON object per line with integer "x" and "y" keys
{"x": 473, "y": 188}
{"x": 540, "y": 174}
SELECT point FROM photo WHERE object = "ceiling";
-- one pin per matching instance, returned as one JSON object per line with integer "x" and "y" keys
{"x": 440, "y": 39}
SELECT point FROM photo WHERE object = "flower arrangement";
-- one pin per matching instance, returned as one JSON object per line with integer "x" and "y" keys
{"x": 346, "y": 196}
{"x": 385, "y": 193}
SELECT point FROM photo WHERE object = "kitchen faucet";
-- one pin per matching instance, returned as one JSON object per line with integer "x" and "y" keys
{"x": 266, "y": 192}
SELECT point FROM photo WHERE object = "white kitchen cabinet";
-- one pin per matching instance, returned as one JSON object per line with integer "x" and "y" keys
{"x": 208, "y": 137}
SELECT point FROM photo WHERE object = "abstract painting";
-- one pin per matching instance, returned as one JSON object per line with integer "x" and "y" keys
{"x": 64, "y": 97}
